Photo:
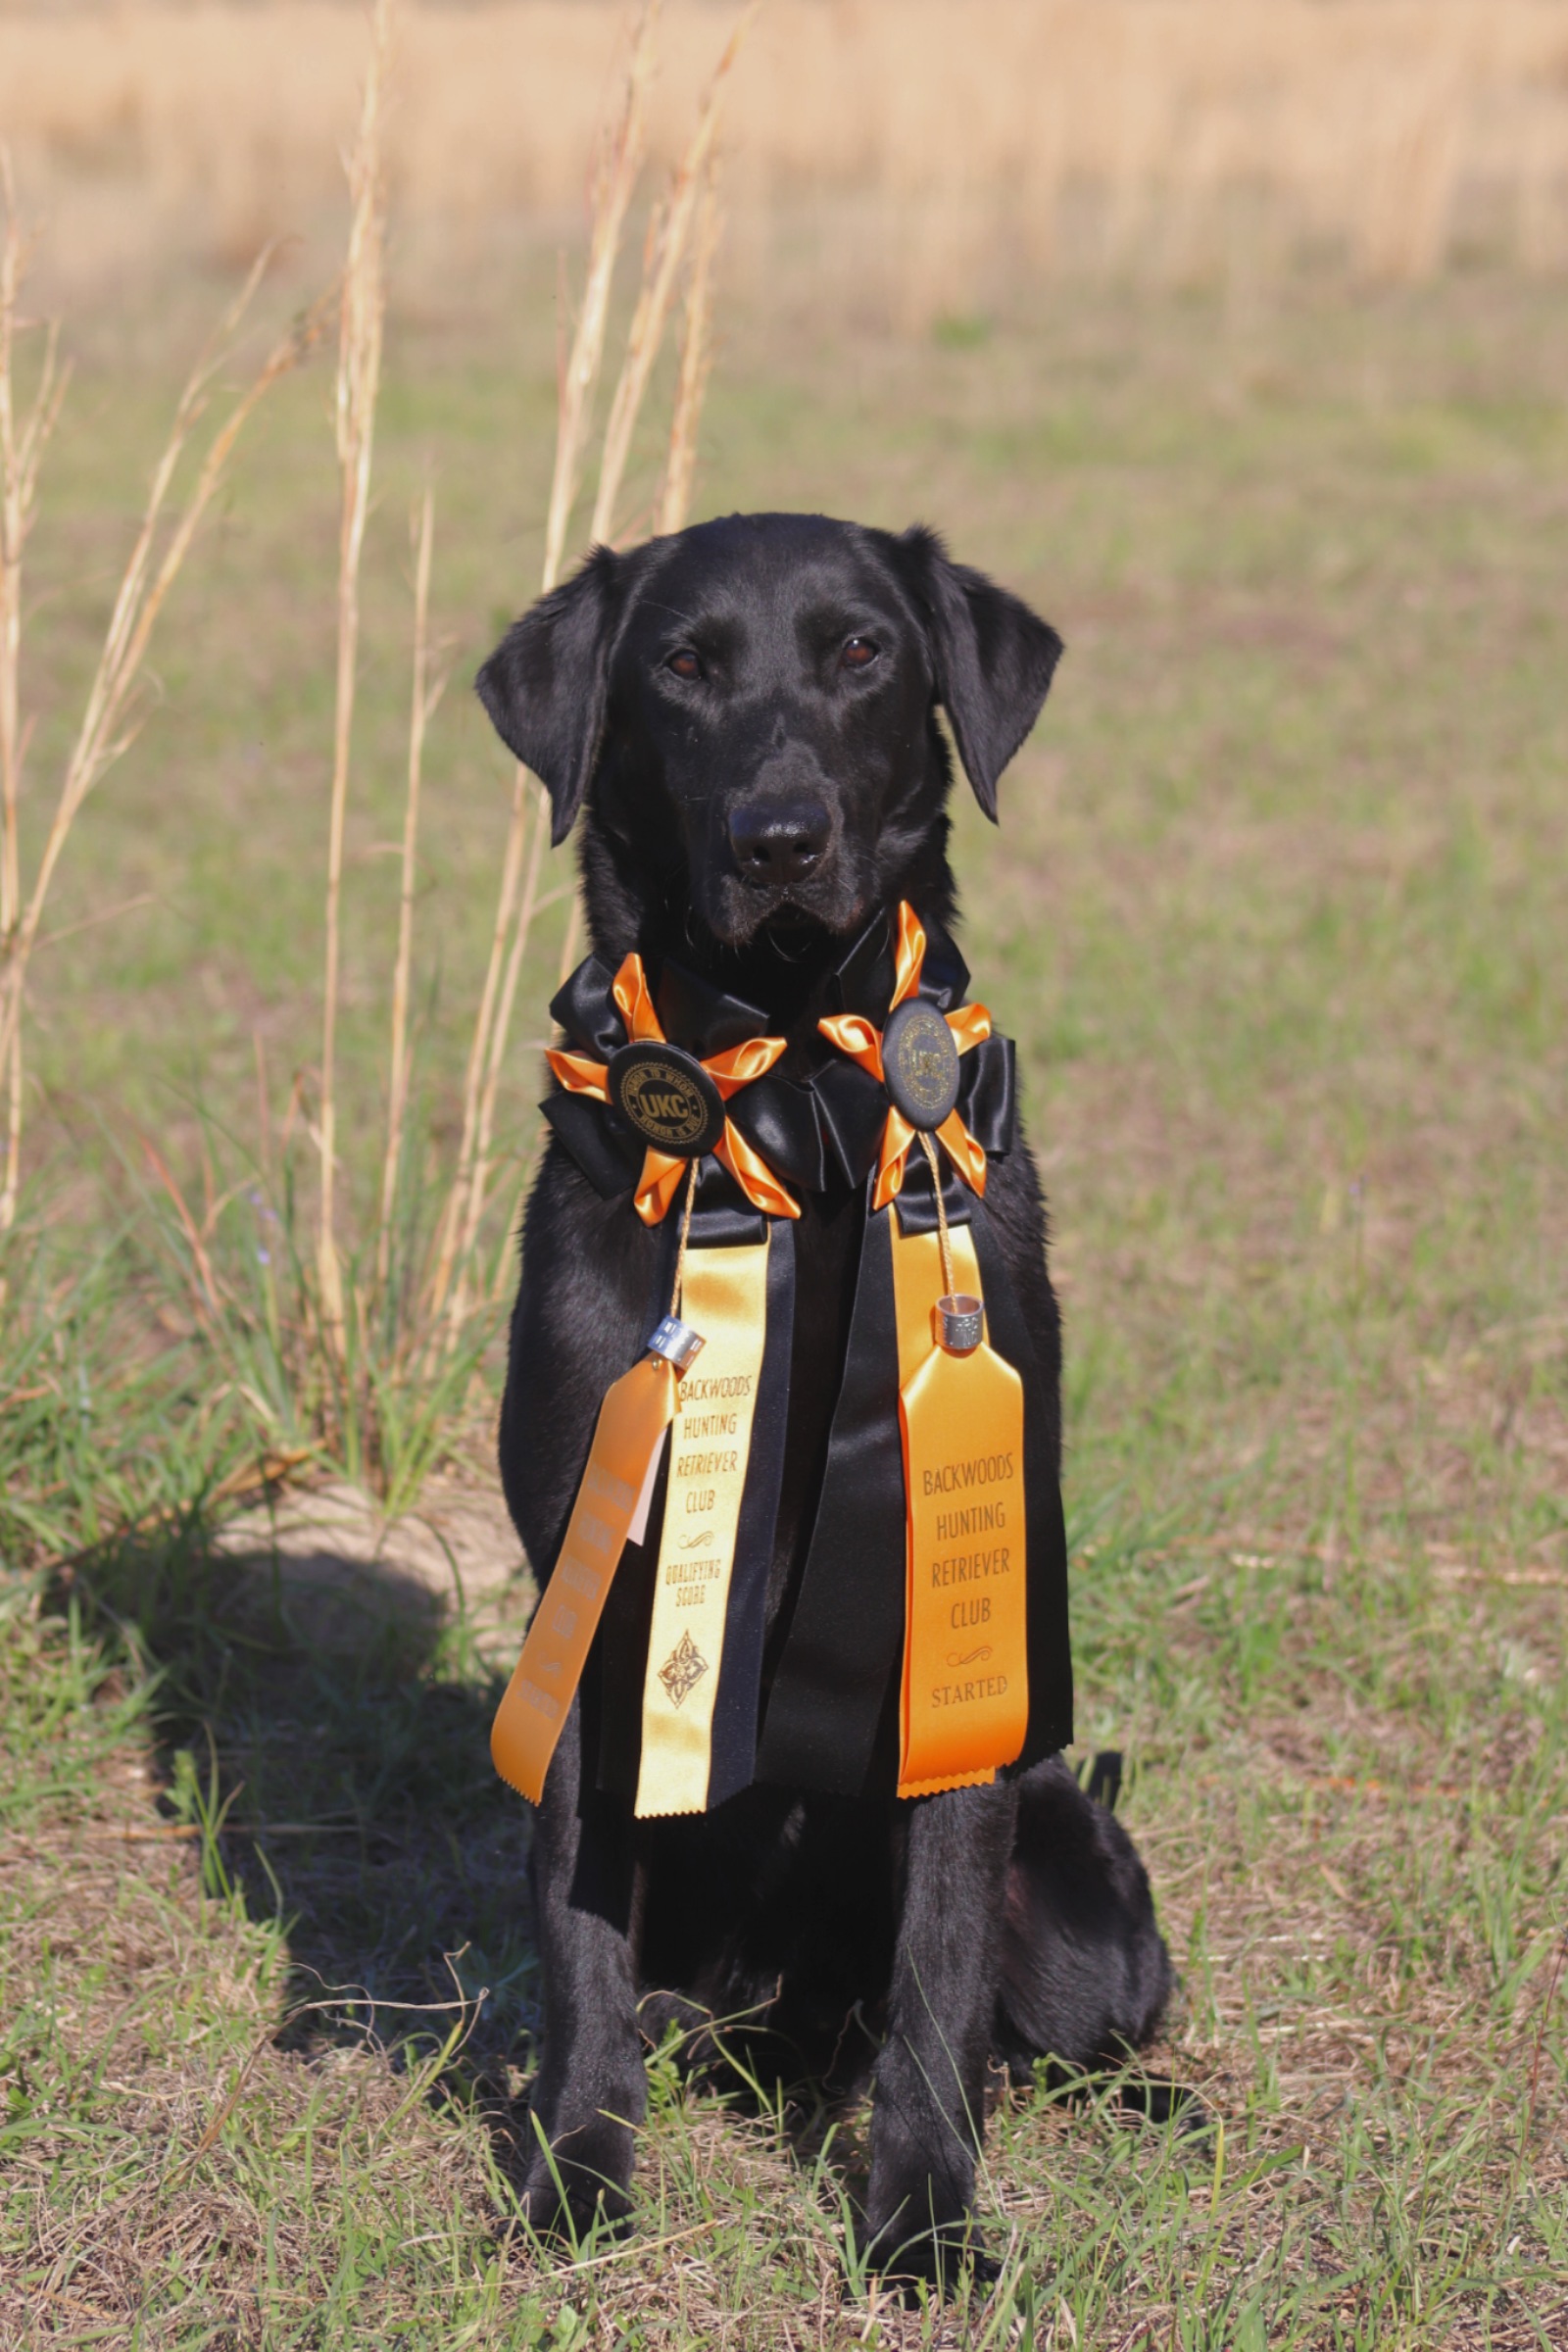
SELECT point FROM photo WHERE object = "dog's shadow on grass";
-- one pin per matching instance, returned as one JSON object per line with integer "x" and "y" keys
{"x": 327, "y": 1716}
{"x": 322, "y": 1727}
{"x": 333, "y": 1712}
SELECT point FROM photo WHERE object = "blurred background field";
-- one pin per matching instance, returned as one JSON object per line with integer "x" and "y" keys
{"x": 1235, "y": 337}
{"x": 900, "y": 155}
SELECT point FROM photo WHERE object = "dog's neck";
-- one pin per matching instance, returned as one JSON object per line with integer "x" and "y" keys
{"x": 784, "y": 971}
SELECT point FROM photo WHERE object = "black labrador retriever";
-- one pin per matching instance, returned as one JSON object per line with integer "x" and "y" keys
{"x": 747, "y": 716}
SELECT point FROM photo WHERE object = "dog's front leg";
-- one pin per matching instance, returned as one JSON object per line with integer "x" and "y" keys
{"x": 592, "y": 2087}
{"x": 929, "y": 2107}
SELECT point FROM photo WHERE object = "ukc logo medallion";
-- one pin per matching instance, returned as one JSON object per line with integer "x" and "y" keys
{"x": 920, "y": 1063}
{"x": 668, "y": 1098}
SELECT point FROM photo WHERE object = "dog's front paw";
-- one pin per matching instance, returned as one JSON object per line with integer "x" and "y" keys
{"x": 579, "y": 2182}
{"x": 921, "y": 2240}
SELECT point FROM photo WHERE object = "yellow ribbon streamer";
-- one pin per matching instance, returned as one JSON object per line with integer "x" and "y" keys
{"x": 632, "y": 1420}
{"x": 723, "y": 1296}
{"x": 965, "y": 1703}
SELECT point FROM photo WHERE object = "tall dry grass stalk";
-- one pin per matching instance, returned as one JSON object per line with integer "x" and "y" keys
{"x": 523, "y": 804}
{"x": 21, "y": 448}
{"x": 361, "y": 314}
{"x": 479, "y": 1182}
{"x": 367, "y": 1373}
{"x": 668, "y": 236}
{"x": 427, "y": 695}
{"x": 617, "y": 166}
{"x": 112, "y": 715}
{"x": 668, "y": 239}
{"x": 670, "y": 233}
{"x": 696, "y": 360}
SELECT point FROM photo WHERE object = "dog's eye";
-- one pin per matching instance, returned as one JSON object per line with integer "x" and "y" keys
{"x": 858, "y": 653}
{"x": 684, "y": 663}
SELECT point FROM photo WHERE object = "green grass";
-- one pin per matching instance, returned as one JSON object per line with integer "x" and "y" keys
{"x": 1276, "y": 913}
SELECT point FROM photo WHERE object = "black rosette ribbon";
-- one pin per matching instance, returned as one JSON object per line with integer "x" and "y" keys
{"x": 653, "y": 1078}
{"x": 663, "y": 1084}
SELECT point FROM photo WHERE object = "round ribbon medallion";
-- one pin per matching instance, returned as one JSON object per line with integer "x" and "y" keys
{"x": 920, "y": 1063}
{"x": 668, "y": 1098}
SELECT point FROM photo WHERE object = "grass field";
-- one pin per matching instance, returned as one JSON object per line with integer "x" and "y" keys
{"x": 1276, "y": 912}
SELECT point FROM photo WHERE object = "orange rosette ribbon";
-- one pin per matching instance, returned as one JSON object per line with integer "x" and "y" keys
{"x": 662, "y": 1171}
{"x": 854, "y": 1036}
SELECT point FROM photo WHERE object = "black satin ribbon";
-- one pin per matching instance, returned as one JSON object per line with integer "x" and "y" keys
{"x": 1049, "y": 1646}
{"x": 864, "y": 979}
{"x": 820, "y": 1721}
{"x": 732, "y": 1763}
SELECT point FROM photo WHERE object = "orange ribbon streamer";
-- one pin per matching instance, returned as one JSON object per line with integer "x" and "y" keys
{"x": 738, "y": 1066}
{"x": 629, "y": 1436}
{"x": 965, "y": 1696}
{"x": 856, "y": 1036}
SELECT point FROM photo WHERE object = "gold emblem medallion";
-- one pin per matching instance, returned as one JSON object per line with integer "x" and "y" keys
{"x": 668, "y": 1098}
{"x": 920, "y": 1063}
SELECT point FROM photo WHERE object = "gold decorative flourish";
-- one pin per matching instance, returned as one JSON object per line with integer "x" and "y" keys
{"x": 682, "y": 1670}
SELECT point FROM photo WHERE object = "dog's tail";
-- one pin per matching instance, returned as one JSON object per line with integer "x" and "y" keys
{"x": 1085, "y": 1973}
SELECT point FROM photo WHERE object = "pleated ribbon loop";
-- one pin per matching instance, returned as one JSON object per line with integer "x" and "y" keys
{"x": 969, "y": 1026}
{"x": 662, "y": 1167}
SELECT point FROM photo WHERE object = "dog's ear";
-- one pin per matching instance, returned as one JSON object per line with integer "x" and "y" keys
{"x": 546, "y": 685}
{"x": 993, "y": 658}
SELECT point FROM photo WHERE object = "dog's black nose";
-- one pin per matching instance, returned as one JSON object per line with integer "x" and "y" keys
{"x": 778, "y": 842}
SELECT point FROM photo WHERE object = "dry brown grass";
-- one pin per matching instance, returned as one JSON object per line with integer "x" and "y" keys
{"x": 362, "y": 317}
{"x": 1177, "y": 136}
{"x": 115, "y": 703}
{"x": 337, "y": 1372}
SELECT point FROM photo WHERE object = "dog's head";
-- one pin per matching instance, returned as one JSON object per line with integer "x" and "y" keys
{"x": 748, "y": 709}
